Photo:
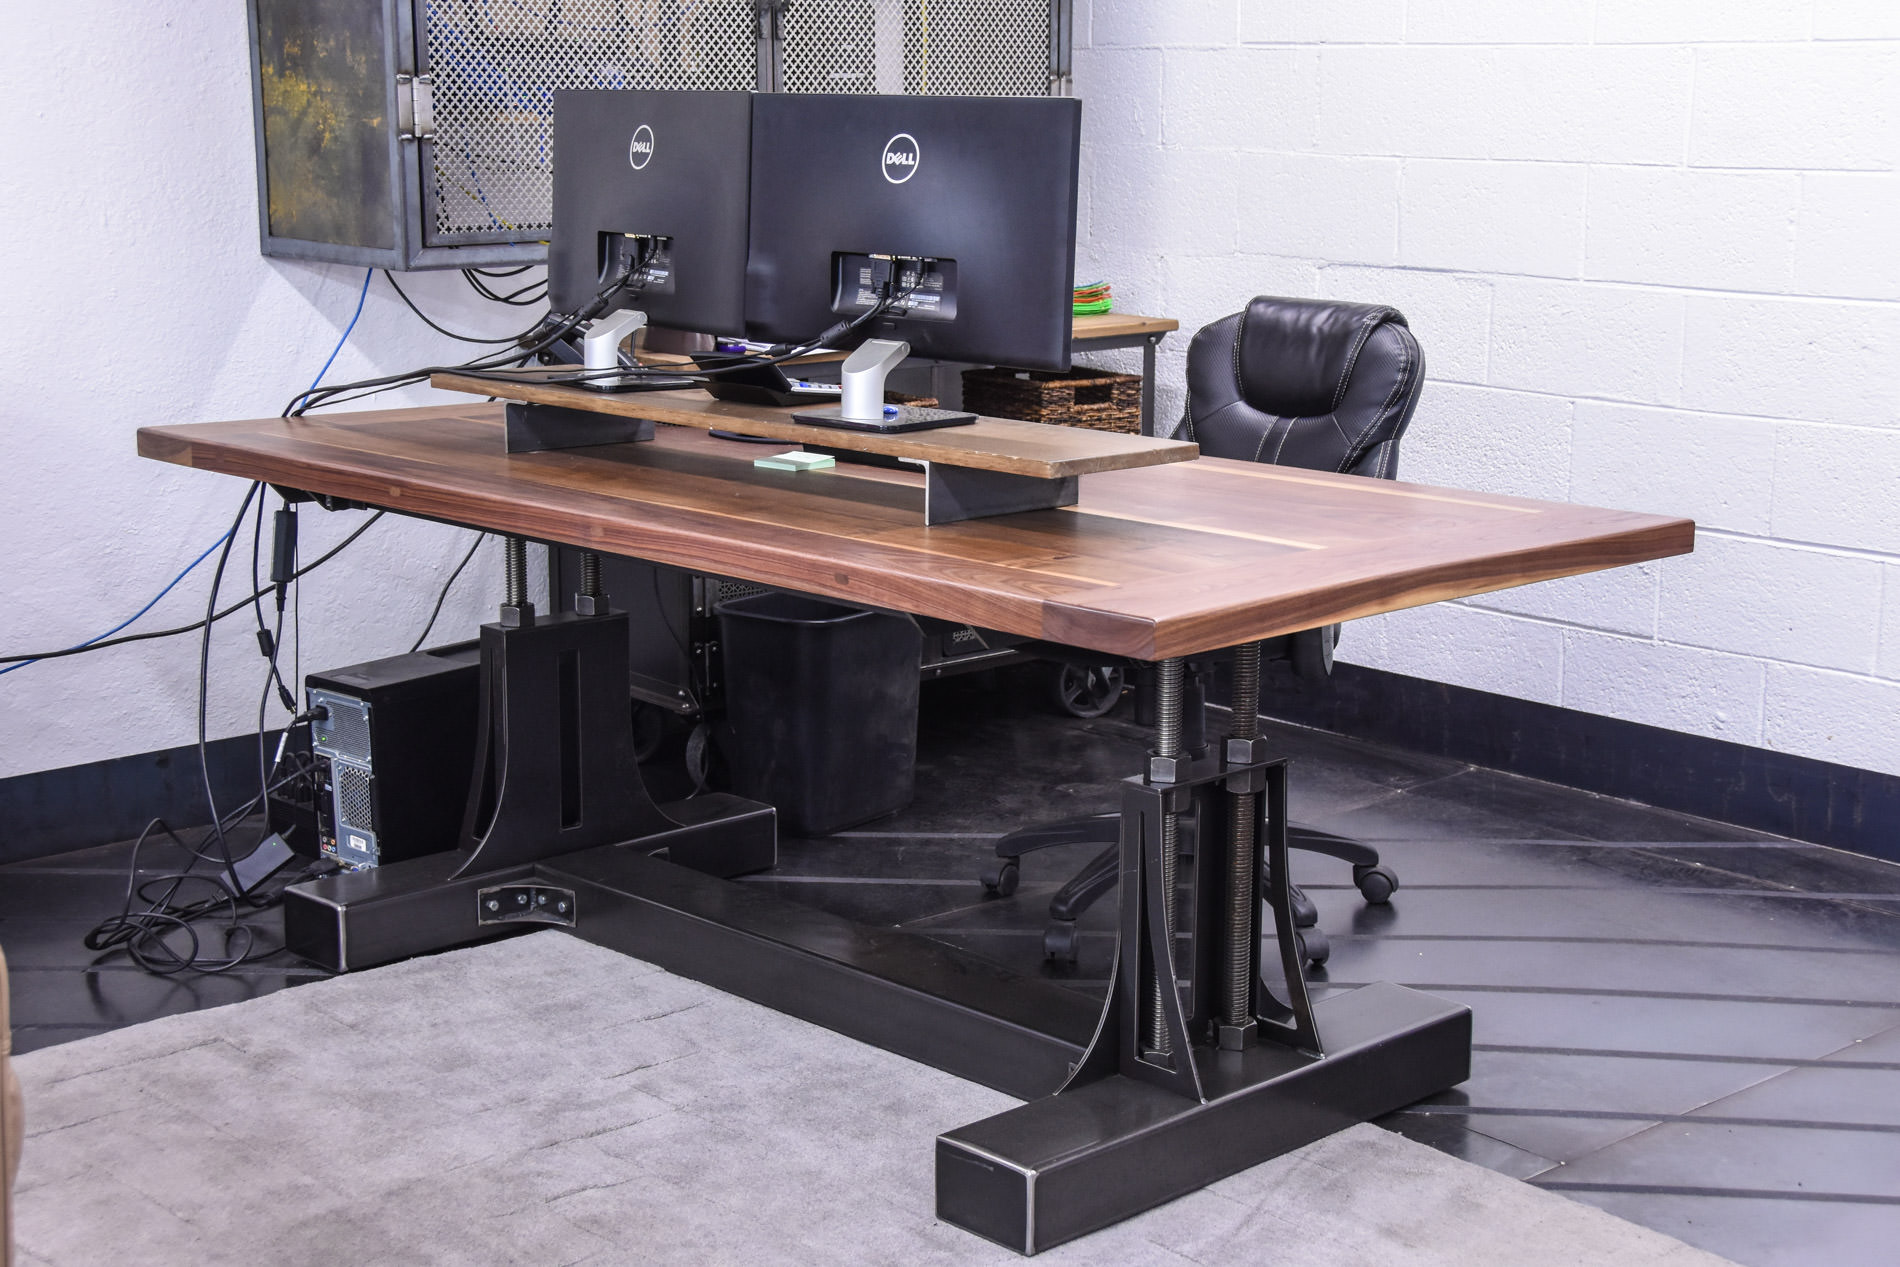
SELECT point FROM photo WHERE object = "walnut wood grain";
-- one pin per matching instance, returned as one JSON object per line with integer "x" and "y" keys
{"x": 1158, "y": 561}
{"x": 989, "y": 444}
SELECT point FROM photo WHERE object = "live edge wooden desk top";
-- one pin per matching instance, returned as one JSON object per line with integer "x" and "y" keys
{"x": 1153, "y": 562}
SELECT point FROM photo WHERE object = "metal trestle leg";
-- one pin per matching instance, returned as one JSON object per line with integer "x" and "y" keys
{"x": 1187, "y": 1081}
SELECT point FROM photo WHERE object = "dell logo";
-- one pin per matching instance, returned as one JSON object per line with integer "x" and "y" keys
{"x": 900, "y": 158}
{"x": 640, "y": 149}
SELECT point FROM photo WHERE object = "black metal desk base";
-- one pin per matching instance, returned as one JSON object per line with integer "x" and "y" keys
{"x": 919, "y": 998}
{"x": 1030, "y": 1178}
{"x": 1170, "y": 1086}
{"x": 360, "y": 919}
{"x": 1063, "y": 1166}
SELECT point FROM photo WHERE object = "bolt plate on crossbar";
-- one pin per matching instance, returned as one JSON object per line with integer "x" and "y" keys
{"x": 525, "y": 904}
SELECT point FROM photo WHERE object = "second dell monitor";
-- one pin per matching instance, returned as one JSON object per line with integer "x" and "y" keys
{"x": 784, "y": 215}
{"x": 968, "y": 203}
{"x": 659, "y": 180}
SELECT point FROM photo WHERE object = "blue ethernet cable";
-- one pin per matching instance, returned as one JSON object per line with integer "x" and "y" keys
{"x": 173, "y": 583}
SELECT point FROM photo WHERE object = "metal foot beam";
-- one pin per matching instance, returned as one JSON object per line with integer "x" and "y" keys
{"x": 1063, "y": 1166}
{"x": 359, "y": 919}
{"x": 905, "y": 993}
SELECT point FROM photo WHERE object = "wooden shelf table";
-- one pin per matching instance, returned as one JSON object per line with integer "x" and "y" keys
{"x": 989, "y": 467}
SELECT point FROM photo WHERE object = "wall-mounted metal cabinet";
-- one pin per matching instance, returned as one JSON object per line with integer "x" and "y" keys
{"x": 412, "y": 134}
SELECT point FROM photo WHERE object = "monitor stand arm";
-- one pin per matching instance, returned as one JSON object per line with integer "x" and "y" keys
{"x": 864, "y": 373}
{"x": 600, "y": 346}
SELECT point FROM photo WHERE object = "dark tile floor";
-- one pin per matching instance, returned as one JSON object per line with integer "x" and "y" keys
{"x": 1687, "y": 1024}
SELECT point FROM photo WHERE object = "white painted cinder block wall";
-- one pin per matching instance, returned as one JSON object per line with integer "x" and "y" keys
{"x": 134, "y": 294}
{"x": 1651, "y": 249}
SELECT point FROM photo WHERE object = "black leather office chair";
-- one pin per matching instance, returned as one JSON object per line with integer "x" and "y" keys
{"x": 1296, "y": 382}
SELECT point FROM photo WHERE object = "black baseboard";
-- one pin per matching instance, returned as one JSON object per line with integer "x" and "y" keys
{"x": 52, "y": 811}
{"x": 1732, "y": 783}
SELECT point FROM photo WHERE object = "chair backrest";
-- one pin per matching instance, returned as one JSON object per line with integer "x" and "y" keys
{"x": 1304, "y": 382}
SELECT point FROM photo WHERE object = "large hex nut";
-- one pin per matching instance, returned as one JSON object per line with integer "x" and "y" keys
{"x": 1236, "y": 1037}
{"x": 1166, "y": 769}
{"x": 1246, "y": 751}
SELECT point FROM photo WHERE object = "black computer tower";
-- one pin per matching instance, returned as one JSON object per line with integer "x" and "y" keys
{"x": 394, "y": 750}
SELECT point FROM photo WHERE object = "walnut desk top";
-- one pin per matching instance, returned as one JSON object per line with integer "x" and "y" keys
{"x": 1152, "y": 562}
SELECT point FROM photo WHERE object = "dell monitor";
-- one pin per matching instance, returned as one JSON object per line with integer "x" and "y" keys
{"x": 952, "y": 219}
{"x": 650, "y": 191}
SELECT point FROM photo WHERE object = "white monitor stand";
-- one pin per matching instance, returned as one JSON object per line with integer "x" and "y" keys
{"x": 600, "y": 346}
{"x": 861, "y": 406}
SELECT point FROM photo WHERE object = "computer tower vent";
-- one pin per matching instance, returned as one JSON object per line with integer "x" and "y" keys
{"x": 495, "y": 67}
{"x": 344, "y": 729}
{"x": 981, "y": 48}
{"x": 354, "y": 805}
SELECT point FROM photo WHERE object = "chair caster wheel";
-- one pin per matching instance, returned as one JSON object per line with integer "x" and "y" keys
{"x": 1313, "y": 946}
{"x": 1059, "y": 943}
{"x": 1305, "y": 914}
{"x": 1001, "y": 879}
{"x": 1087, "y": 692}
{"x": 1376, "y": 884}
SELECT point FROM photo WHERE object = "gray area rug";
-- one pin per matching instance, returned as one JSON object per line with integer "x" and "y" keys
{"x": 544, "y": 1101}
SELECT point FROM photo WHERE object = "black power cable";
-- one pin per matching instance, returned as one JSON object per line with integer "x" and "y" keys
{"x": 204, "y": 672}
{"x": 144, "y": 935}
{"x": 196, "y": 625}
{"x": 438, "y": 328}
{"x": 703, "y": 372}
{"x": 446, "y": 587}
{"x": 514, "y": 298}
{"x": 629, "y": 280}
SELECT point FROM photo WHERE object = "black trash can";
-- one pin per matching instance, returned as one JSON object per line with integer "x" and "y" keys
{"x": 823, "y": 704}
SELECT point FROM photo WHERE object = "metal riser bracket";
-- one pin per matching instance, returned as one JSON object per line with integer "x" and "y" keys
{"x": 956, "y": 493}
{"x": 539, "y": 428}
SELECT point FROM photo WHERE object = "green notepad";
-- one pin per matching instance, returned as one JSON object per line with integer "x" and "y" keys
{"x": 796, "y": 460}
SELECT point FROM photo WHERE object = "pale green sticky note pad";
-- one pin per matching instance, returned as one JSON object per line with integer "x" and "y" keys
{"x": 796, "y": 460}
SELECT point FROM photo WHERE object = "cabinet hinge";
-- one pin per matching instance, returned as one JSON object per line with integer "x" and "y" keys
{"x": 415, "y": 107}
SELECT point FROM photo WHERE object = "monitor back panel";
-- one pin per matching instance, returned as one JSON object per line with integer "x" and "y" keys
{"x": 665, "y": 164}
{"x": 987, "y": 183}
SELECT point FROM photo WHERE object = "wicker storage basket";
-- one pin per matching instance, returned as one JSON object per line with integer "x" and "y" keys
{"x": 1097, "y": 399}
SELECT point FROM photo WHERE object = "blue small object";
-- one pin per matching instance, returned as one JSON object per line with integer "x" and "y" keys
{"x": 890, "y": 411}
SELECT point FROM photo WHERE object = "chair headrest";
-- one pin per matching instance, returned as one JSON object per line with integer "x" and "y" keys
{"x": 1294, "y": 356}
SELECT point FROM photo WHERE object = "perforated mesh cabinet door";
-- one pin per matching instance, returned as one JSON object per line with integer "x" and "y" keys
{"x": 496, "y": 64}
{"x": 985, "y": 48}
